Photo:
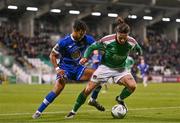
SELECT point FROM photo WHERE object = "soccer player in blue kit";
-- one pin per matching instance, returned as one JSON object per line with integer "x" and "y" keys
{"x": 70, "y": 50}
{"x": 143, "y": 68}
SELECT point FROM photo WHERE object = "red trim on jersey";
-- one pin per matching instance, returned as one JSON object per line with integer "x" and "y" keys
{"x": 130, "y": 39}
{"x": 110, "y": 37}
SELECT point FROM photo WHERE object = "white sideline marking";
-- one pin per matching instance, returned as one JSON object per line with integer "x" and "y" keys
{"x": 155, "y": 108}
{"x": 58, "y": 112}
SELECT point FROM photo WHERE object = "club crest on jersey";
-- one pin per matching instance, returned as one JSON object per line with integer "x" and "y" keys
{"x": 76, "y": 54}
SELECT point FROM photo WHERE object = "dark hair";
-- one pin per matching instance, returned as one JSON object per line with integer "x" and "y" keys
{"x": 79, "y": 25}
{"x": 121, "y": 26}
{"x": 118, "y": 21}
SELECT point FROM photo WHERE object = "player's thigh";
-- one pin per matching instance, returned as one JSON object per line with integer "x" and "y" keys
{"x": 87, "y": 74}
{"x": 128, "y": 81}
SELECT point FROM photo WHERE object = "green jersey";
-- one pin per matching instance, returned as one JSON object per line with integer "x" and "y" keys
{"x": 114, "y": 54}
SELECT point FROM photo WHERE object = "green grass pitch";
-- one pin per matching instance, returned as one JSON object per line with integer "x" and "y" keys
{"x": 157, "y": 103}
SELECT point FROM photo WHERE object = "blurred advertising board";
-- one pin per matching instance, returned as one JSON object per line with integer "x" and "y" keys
{"x": 171, "y": 78}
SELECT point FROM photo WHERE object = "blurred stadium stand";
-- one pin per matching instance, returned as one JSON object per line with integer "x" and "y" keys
{"x": 26, "y": 37}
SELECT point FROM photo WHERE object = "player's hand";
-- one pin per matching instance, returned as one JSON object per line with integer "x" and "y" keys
{"x": 60, "y": 71}
{"x": 83, "y": 61}
{"x": 95, "y": 61}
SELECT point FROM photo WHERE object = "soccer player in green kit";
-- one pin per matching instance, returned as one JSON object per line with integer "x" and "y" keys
{"x": 114, "y": 64}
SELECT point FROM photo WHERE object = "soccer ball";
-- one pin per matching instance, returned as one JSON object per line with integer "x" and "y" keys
{"x": 118, "y": 111}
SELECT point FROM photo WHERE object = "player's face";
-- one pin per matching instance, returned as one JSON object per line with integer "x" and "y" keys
{"x": 121, "y": 37}
{"x": 142, "y": 61}
{"x": 80, "y": 34}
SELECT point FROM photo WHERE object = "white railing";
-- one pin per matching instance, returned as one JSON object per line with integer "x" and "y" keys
{"x": 40, "y": 65}
{"x": 20, "y": 73}
{"x": 5, "y": 70}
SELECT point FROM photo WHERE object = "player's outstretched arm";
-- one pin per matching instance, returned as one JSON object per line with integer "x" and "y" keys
{"x": 92, "y": 47}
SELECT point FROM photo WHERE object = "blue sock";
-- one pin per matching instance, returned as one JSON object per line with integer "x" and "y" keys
{"x": 96, "y": 92}
{"x": 47, "y": 100}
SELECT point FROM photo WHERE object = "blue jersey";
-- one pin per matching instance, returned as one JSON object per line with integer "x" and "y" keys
{"x": 143, "y": 69}
{"x": 70, "y": 52}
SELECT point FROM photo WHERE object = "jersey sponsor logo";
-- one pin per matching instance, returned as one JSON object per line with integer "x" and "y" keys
{"x": 118, "y": 58}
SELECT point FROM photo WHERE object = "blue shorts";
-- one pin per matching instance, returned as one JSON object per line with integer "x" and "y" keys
{"x": 72, "y": 72}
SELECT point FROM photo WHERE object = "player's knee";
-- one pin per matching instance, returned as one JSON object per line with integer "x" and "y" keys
{"x": 58, "y": 88}
{"x": 89, "y": 88}
{"x": 87, "y": 91}
{"x": 130, "y": 85}
{"x": 133, "y": 87}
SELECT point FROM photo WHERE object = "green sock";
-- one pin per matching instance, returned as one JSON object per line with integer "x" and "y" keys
{"x": 80, "y": 100}
{"x": 125, "y": 93}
